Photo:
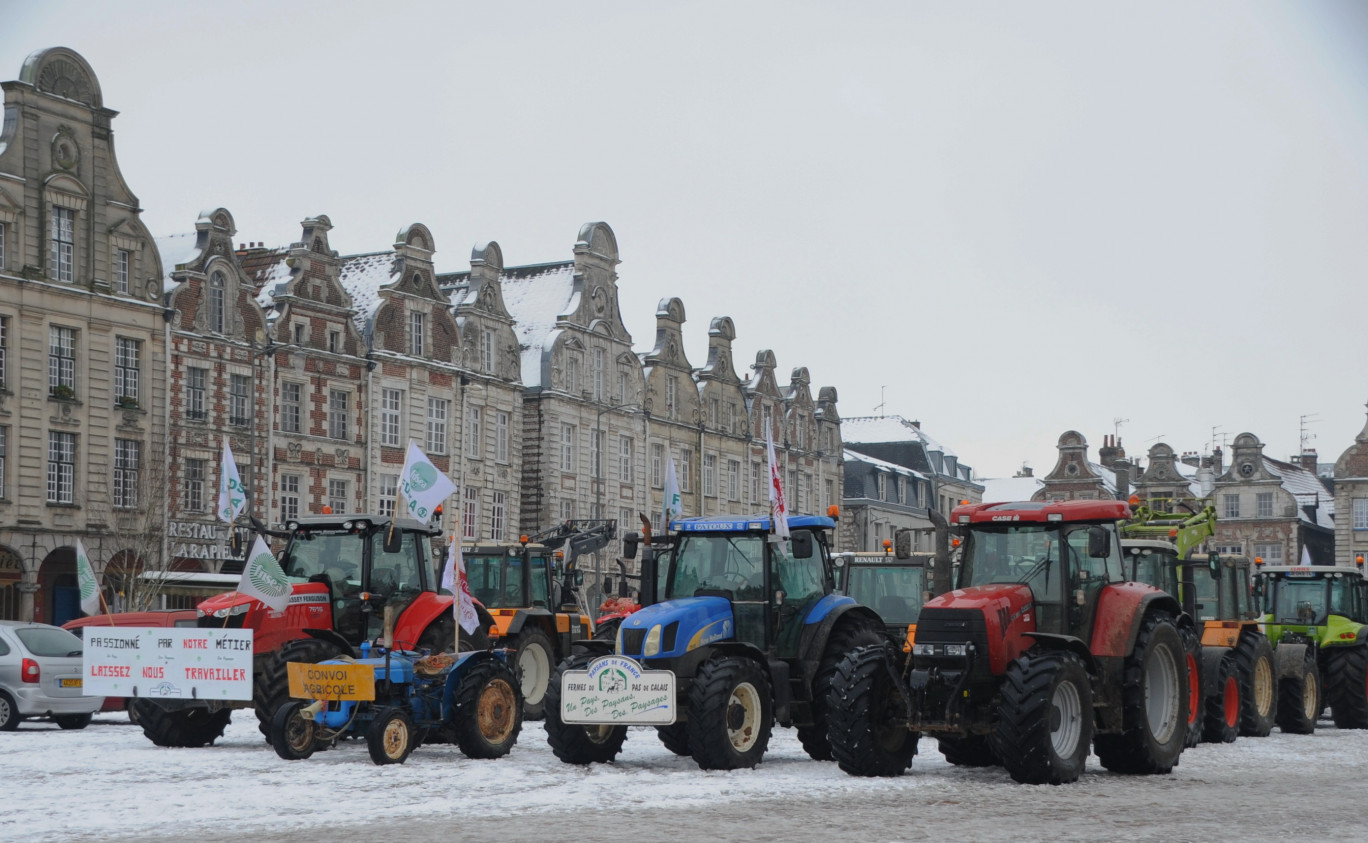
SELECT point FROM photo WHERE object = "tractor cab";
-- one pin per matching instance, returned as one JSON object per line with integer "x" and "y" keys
{"x": 893, "y": 586}
{"x": 1307, "y": 596}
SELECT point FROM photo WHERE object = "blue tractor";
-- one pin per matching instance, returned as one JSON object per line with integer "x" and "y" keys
{"x": 737, "y": 631}
{"x": 471, "y": 699}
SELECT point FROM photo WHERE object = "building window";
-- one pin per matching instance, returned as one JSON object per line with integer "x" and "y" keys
{"x": 714, "y": 412}
{"x": 4, "y": 445}
{"x": 1360, "y": 516}
{"x": 389, "y": 489}
{"x": 598, "y": 374}
{"x": 217, "y": 301}
{"x": 416, "y": 334}
{"x": 193, "y": 491}
{"x": 2, "y": 247}
{"x": 902, "y": 490}
{"x": 710, "y": 475}
{"x": 126, "y": 459}
{"x": 730, "y": 417}
{"x": 1263, "y": 505}
{"x": 470, "y": 513}
{"x": 501, "y": 437}
{"x": 624, "y": 519}
{"x": 829, "y": 494}
{"x": 625, "y": 459}
{"x": 437, "y": 425}
{"x": 62, "y": 361}
{"x": 337, "y": 414}
{"x": 487, "y": 350}
{"x": 239, "y": 410}
{"x": 657, "y": 466}
{"x": 1232, "y": 506}
{"x": 768, "y": 421}
{"x": 391, "y": 405}
{"x": 572, "y": 374}
{"x": 567, "y": 509}
{"x": 882, "y": 483}
{"x": 196, "y": 380}
{"x": 122, "y": 259}
{"x": 568, "y": 447}
{"x": 496, "y": 516}
{"x": 757, "y": 486}
{"x": 126, "y": 354}
{"x": 622, "y": 386}
{"x": 733, "y": 480}
{"x": 63, "y": 243}
{"x": 1271, "y": 554}
{"x": 291, "y": 407}
{"x": 4, "y": 345}
{"x": 335, "y": 342}
{"x": 298, "y": 330}
{"x": 61, "y": 479}
{"x": 685, "y": 469}
{"x": 337, "y": 496}
{"x": 596, "y": 454}
{"x": 474, "y": 433}
{"x": 289, "y": 497}
{"x": 671, "y": 396}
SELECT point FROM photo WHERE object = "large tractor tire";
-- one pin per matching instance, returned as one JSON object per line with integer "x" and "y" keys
{"x": 1221, "y": 709}
{"x": 293, "y": 736}
{"x": 1346, "y": 686}
{"x": 488, "y": 710}
{"x": 731, "y": 713}
{"x": 534, "y": 662}
{"x": 1192, "y": 649}
{"x": 608, "y": 630}
{"x": 272, "y": 688}
{"x": 969, "y": 751}
{"x": 1045, "y": 719}
{"x": 1154, "y": 704}
{"x": 572, "y": 742}
{"x": 1259, "y": 692}
{"x": 867, "y": 722}
{"x": 182, "y": 727}
{"x": 391, "y": 736}
{"x": 675, "y": 737}
{"x": 843, "y": 639}
{"x": 1299, "y": 697}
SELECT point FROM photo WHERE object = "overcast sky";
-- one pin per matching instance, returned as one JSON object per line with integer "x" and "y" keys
{"x": 1005, "y": 221}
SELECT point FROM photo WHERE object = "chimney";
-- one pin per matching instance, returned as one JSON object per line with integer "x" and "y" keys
{"x": 1217, "y": 462}
{"x": 1308, "y": 460}
{"x": 1026, "y": 471}
{"x": 1123, "y": 481}
{"x": 1108, "y": 453}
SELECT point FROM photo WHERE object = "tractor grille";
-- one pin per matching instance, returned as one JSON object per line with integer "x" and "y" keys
{"x": 632, "y": 639}
{"x": 211, "y": 622}
{"x": 952, "y": 626}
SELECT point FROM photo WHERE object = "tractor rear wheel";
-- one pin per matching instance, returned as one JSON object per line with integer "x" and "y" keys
{"x": 1299, "y": 698}
{"x": 292, "y": 733}
{"x": 607, "y": 631}
{"x": 391, "y": 736}
{"x": 1192, "y": 647}
{"x": 1154, "y": 703}
{"x": 1045, "y": 719}
{"x": 1221, "y": 710}
{"x": 182, "y": 727}
{"x": 1346, "y": 686}
{"x": 574, "y": 743}
{"x": 867, "y": 720}
{"x": 487, "y": 710}
{"x": 843, "y": 639}
{"x": 533, "y": 663}
{"x": 675, "y": 737}
{"x": 272, "y": 688}
{"x": 1254, "y": 657}
{"x": 969, "y": 751}
{"x": 730, "y": 714}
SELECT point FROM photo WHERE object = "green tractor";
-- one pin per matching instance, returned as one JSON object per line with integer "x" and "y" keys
{"x": 1323, "y": 609}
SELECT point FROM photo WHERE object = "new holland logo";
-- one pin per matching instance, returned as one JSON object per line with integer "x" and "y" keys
{"x": 265, "y": 578}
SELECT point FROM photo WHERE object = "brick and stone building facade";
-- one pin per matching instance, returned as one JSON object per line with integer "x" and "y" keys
{"x": 1351, "y": 502}
{"x": 1270, "y": 510}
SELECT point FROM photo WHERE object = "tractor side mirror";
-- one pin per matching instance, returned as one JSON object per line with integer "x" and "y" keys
{"x": 902, "y": 544}
{"x": 394, "y": 540}
{"x": 607, "y": 585}
{"x": 1099, "y": 542}
{"x": 802, "y": 545}
{"x": 629, "y": 545}
{"x": 1214, "y": 562}
{"x": 235, "y": 541}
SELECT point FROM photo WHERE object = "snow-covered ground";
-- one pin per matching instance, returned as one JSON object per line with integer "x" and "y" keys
{"x": 108, "y": 781}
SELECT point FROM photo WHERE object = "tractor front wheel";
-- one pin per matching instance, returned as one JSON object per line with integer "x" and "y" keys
{"x": 1299, "y": 697}
{"x": 272, "y": 688}
{"x": 730, "y": 714}
{"x": 1254, "y": 657}
{"x": 1045, "y": 719}
{"x": 292, "y": 732}
{"x": 181, "y": 727}
{"x": 574, "y": 743}
{"x": 1221, "y": 710}
{"x": 534, "y": 663}
{"x": 675, "y": 737}
{"x": 1154, "y": 704}
{"x": 1346, "y": 686}
{"x": 867, "y": 723}
{"x": 488, "y": 710}
{"x": 843, "y": 639}
{"x": 391, "y": 737}
{"x": 1192, "y": 648}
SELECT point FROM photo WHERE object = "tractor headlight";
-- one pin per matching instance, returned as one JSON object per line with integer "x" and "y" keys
{"x": 652, "y": 645}
{"x": 923, "y": 649}
{"x": 957, "y": 649}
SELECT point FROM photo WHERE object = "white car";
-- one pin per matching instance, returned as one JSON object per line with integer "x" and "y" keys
{"x": 40, "y": 676}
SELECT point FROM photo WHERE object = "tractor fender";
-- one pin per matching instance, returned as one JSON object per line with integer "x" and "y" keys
{"x": 1067, "y": 643}
{"x": 686, "y": 666}
{"x": 1121, "y": 609}
{"x": 464, "y": 662}
{"x": 1289, "y": 660}
{"x": 1211, "y": 668}
{"x": 335, "y": 638}
{"x": 592, "y": 648}
{"x": 523, "y": 616}
{"x": 418, "y": 616}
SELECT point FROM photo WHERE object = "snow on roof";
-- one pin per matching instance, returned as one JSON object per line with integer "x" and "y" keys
{"x": 875, "y": 429}
{"x": 268, "y": 271}
{"x": 536, "y": 296}
{"x": 855, "y": 456}
{"x": 362, "y": 277}
{"x": 1107, "y": 476}
{"x": 1307, "y": 488}
{"x": 1007, "y": 489}
{"x": 176, "y": 249}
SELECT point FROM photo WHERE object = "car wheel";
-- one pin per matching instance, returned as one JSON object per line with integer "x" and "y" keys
{"x": 9, "y": 713}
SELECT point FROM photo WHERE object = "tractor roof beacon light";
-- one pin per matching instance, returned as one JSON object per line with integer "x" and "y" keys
{"x": 887, "y": 546}
{"x": 1358, "y": 560}
{"x": 834, "y": 512}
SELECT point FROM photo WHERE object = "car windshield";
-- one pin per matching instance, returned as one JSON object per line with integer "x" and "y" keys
{"x": 49, "y": 641}
{"x": 893, "y": 591}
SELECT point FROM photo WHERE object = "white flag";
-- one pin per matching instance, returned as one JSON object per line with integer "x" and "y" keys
{"x": 263, "y": 579}
{"x": 463, "y": 606}
{"x": 778, "y": 507}
{"x": 85, "y": 576}
{"x": 674, "y": 506}
{"x": 232, "y": 497}
{"x": 421, "y": 486}
{"x": 1306, "y": 556}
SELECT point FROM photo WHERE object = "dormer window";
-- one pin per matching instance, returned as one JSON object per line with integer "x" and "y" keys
{"x": 217, "y": 298}
{"x": 63, "y": 243}
{"x": 416, "y": 334}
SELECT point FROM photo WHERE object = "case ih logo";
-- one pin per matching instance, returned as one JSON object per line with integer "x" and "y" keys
{"x": 1006, "y": 517}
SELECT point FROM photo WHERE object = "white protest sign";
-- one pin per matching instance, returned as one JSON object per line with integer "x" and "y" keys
{"x": 616, "y": 689}
{"x": 168, "y": 663}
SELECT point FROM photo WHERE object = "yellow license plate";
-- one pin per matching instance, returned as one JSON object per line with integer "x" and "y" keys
{"x": 71, "y": 683}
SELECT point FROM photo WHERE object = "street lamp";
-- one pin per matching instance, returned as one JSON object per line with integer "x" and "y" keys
{"x": 598, "y": 480}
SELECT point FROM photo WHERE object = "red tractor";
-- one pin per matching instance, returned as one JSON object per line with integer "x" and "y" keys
{"x": 1042, "y": 652}
{"x": 349, "y": 574}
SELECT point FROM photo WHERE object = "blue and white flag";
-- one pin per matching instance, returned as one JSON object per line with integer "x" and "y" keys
{"x": 674, "y": 504}
{"x": 422, "y": 488}
{"x": 231, "y": 497}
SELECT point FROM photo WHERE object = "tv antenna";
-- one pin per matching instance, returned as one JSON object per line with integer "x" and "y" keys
{"x": 1306, "y": 435}
{"x": 1116, "y": 426}
{"x": 879, "y": 409}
